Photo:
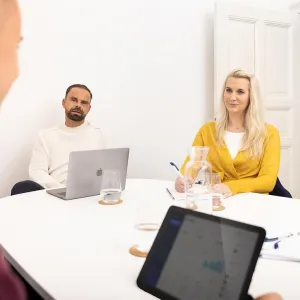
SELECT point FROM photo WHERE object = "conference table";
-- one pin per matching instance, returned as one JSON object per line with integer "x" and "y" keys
{"x": 79, "y": 249}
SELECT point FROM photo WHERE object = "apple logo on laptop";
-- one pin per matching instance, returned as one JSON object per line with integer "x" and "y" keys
{"x": 99, "y": 172}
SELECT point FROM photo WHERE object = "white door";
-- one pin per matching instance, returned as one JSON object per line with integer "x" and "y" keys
{"x": 263, "y": 42}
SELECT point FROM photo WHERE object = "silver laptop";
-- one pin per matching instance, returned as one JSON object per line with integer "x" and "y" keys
{"x": 85, "y": 170}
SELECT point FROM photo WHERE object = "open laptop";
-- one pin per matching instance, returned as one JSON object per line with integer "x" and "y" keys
{"x": 200, "y": 256}
{"x": 85, "y": 169}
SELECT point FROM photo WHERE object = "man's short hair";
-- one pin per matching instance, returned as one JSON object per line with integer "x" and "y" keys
{"x": 80, "y": 86}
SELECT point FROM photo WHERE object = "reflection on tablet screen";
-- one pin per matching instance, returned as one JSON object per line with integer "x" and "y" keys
{"x": 207, "y": 260}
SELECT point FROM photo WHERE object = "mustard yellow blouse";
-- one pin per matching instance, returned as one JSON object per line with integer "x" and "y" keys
{"x": 242, "y": 174}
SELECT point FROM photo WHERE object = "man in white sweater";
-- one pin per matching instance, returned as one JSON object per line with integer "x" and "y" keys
{"x": 50, "y": 156}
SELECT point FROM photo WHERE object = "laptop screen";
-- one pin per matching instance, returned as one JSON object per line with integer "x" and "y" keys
{"x": 200, "y": 258}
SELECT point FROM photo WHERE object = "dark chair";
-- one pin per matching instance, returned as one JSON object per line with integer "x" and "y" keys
{"x": 25, "y": 187}
{"x": 280, "y": 191}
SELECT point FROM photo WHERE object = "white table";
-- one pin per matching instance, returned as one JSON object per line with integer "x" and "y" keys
{"x": 78, "y": 249}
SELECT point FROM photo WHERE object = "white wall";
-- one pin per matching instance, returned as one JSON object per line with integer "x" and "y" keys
{"x": 148, "y": 63}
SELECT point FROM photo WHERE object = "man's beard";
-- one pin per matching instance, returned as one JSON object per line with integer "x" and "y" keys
{"x": 75, "y": 117}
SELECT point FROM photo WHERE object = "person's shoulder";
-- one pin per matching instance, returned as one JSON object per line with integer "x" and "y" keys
{"x": 93, "y": 128}
{"x": 271, "y": 129}
{"x": 208, "y": 127}
{"x": 47, "y": 131}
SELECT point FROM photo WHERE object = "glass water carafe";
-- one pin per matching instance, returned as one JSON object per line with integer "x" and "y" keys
{"x": 197, "y": 178}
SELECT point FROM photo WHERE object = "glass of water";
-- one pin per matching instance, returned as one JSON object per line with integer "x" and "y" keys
{"x": 148, "y": 218}
{"x": 217, "y": 195}
{"x": 110, "y": 190}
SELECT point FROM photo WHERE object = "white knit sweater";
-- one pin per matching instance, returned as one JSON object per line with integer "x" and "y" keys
{"x": 50, "y": 155}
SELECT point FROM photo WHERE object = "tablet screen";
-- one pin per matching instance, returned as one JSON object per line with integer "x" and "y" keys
{"x": 200, "y": 258}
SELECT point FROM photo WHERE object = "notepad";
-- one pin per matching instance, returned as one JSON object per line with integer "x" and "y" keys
{"x": 175, "y": 195}
{"x": 289, "y": 249}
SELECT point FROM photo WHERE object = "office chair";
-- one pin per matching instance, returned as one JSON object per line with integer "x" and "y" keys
{"x": 280, "y": 191}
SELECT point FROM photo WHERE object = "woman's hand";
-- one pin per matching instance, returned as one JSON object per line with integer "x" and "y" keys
{"x": 179, "y": 184}
{"x": 224, "y": 190}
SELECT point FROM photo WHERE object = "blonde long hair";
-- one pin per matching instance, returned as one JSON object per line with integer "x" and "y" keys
{"x": 255, "y": 127}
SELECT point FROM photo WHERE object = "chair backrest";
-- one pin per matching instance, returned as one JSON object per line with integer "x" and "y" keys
{"x": 280, "y": 191}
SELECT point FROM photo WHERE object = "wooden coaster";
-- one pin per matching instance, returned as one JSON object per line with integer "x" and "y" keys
{"x": 193, "y": 207}
{"x": 135, "y": 252}
{"x": 221, "y": 207}
{"x": 110, "y": 203}
{"x": 147, "y": 226}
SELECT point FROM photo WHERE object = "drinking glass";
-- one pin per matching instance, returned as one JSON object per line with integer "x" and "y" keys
{"x": 217, "y": 195}
{"x": 110, "y": 190}
{"x": 148, "y": 218}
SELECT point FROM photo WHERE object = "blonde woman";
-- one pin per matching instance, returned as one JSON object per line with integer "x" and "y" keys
{"x": 244, "y": 150}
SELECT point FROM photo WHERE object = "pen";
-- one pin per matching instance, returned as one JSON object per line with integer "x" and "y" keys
{"x": 170, "y": 193}
{"x": 176, "y": 168}
{"x": 274, "y": 239}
